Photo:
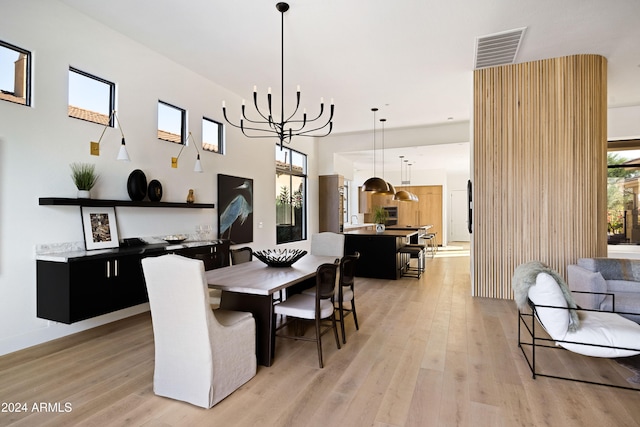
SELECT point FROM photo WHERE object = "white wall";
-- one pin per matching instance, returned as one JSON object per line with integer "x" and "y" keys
{"x": 623, "y": 122}
{"x": 38, "y": 143}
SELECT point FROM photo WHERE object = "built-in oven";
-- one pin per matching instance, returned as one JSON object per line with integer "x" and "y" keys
{"x": 392, "y": 215}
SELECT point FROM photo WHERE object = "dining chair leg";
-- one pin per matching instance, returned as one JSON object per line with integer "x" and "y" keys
{"x": 355, "y": 316}
{"x": 319, "y": 342}
{"x": 341, "y": 310}
{"x": 335, "y": 329}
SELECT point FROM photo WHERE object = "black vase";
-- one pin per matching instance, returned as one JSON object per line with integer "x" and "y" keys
{"x": 155, "y": 190}
{"x": 137, "y": 185}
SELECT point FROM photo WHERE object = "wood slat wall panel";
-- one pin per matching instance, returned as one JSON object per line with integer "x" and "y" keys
{"x": 539, "y": 157}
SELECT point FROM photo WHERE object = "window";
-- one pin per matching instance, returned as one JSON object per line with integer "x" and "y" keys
{"x": 15, "y": 74}
{"x": 623, "y": 192}
{"x": 212, "y": 136}
{"x": 172, "y": 123}
{"x": 291, "y": 195}
{"x": 91, "y": 98}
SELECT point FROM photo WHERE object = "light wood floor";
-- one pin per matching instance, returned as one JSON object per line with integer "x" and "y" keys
{"x": 426, "y": 354}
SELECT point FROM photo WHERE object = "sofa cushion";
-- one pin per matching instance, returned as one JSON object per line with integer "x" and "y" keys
{"x": 613, "y": 268}
{"x": 584, "y": 280}
{"x": 623, "y": 286}
{"x": 626, "y": 302}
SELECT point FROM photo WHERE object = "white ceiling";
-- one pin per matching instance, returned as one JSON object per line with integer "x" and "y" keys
{"x": 414, "y": 57}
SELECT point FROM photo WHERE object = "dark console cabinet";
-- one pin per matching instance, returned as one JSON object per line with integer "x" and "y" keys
{"x": 82, "y": 288}
{"x": 89, "y": 286}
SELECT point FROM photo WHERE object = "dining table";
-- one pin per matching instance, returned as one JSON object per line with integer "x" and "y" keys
{"x": 250, "y": 287}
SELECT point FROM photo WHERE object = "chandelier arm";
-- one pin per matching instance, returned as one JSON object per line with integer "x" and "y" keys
{"x": 269, "y": 131}
{"x": 224, "y": 114}
{"x": 255, "y": 103}
{"x": 331, "y": 110}
{"x": 295, "y": 110}
{"x": 330, "y": 124}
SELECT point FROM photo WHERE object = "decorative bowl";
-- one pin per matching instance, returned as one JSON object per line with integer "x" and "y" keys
{"x": 280, "y": 257}
{"x": 175, "y": 238}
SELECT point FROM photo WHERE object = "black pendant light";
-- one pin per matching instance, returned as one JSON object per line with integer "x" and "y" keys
{"x": 375, "y": 184}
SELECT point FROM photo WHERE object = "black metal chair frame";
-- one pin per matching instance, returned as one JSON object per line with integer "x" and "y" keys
{"x": 406, "y": 252}
{"x": 347, "y": 280}
{"x": 322, "y": 326}
{"x": 538, "y": 341}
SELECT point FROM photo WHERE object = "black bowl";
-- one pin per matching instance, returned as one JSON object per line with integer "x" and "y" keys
{"x": 280, "y": 257}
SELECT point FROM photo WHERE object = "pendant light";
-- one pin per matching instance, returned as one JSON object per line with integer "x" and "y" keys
{"x": 404, "y": 195}
{"x": 265, "y": 124}
{"x": 375, "y": 184}
{"x": 391, "y": 191}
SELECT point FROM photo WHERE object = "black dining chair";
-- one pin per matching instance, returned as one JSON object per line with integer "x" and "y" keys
{"x": 318, "y": 307}
{"x": 346, "y": 292}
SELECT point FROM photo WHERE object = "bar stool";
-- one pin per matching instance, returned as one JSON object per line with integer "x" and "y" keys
{"x": 432, "y": 244}
{"x": 406, "y": 253}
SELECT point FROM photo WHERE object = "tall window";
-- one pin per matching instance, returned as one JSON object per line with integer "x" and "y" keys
{"x": 623, "y": 192}
{"x": 91, "y": 98}
{"x": 291, "y": 195}
{"x": 15, "y": 74}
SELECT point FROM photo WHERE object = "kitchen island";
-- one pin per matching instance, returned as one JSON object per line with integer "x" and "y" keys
{"x": 379, "y": 256}
{"x": 421, "y": 230}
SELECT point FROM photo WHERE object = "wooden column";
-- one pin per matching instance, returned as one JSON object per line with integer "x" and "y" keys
{"x": 539, "y": 155}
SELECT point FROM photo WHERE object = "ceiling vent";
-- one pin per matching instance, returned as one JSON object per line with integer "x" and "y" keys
{"x": 498, "y": 49}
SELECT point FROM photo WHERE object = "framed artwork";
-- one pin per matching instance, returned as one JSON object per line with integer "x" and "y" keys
{"x": 100, "y": 227}
{"x": 235, "y": 214}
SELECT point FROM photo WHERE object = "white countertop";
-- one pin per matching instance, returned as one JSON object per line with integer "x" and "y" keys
{"x": 352, "y": 226}
{"x": 65, "y": 256}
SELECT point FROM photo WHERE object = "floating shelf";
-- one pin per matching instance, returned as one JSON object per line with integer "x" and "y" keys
{"x": 63, "y": 201}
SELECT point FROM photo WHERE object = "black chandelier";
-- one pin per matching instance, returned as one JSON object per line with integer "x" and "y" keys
{"x": 286, "y": 128}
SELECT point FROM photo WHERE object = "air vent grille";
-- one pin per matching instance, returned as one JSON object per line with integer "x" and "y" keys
{"x": 498, "y": 49}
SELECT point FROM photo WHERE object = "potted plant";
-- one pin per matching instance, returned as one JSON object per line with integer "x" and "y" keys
{"x": 380, "y": 216}
{"x": 84, "y": 177}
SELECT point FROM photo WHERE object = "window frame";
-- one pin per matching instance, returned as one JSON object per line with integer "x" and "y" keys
{"x": 305, "y": 178}
{"x": 622, "y": 219}
{"x": 28, "y": 73}
{"x": 112, "y": 95}
{"x": 221, "y": 142}
{"x": 183, "y": 123}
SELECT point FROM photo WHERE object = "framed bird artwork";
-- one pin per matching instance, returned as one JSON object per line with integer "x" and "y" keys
{"x": 235, "y": 213}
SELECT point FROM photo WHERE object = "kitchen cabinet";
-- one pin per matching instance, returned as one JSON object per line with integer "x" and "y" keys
{"x": 331, "y": 203}
{"x": 427, "y": 211}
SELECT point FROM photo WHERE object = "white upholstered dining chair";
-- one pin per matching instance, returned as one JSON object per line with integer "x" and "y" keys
{"x": 201, "y": 355}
